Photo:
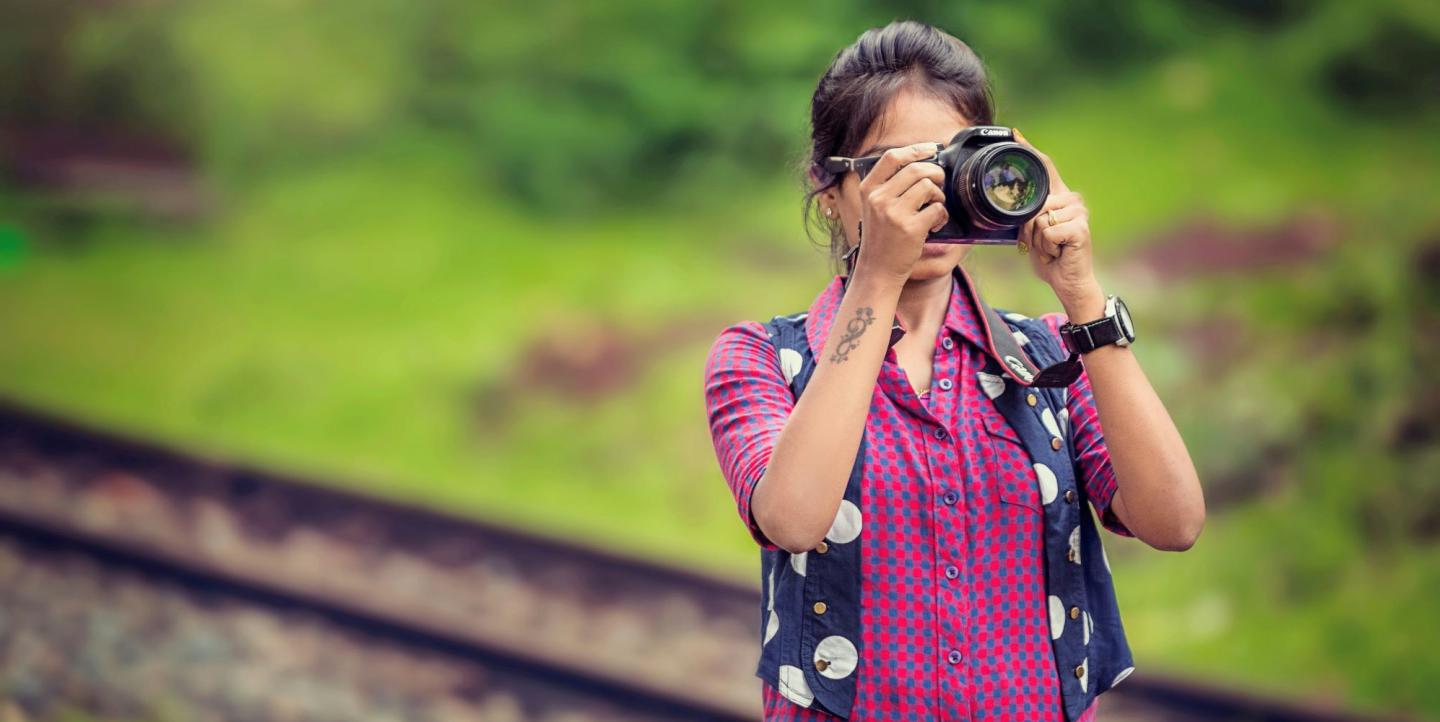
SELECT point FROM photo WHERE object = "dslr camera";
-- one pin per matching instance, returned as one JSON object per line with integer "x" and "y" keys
{"x": 993, "y": 185}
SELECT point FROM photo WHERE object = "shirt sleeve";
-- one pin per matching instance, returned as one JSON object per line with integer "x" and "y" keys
{"x": 1092, "y": 458}
{"x": 747, "y": 400}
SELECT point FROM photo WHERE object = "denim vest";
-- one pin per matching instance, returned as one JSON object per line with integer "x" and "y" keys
{"x": 812, "y": 658}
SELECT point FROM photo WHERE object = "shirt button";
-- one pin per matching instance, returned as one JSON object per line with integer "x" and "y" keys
{"x": 1074, "y": 612}
{"x": 940, "y": 433}
{"x": 953, "y": 657}
{"x": 1055, "y": 443}
{"x": 822, "y": 547}
{"x": 1070, "y": 496}
{"x": 820, "y": 607}
{"x": 951, "y": 497}
{"x": 947, "y": 342}
{"x": 952, "y": 571}
{"x": 1030, "y": 399}
{"x": 945, "y": 384}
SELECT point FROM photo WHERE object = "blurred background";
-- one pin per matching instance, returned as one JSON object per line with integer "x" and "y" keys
{"x": 471, "y": 256}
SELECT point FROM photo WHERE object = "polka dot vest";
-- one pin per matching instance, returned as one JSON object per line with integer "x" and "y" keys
{"x": 963, "y": 577}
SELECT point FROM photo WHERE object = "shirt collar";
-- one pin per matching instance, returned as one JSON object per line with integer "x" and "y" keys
{"x": 963, "y": 317}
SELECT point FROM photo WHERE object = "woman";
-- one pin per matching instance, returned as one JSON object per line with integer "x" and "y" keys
{"x": 918, "y": 438}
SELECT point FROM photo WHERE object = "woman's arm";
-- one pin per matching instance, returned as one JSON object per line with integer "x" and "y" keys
{"x": 797, "y": 498}
{"x": 799, "y": 494}
{"x": 1158, "y": 495}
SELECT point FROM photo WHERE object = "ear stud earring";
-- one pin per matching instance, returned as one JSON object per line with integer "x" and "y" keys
{"x": 829, "y": 212}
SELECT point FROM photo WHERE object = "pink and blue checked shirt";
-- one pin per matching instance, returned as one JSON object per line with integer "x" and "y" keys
{"x": 954, "y": 618}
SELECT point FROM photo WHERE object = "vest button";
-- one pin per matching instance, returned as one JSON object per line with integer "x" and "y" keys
{"x": 1074, "y": 612}
{"x": 822, "y": 547}
{"x": 1070, "y": 495}
{"x": 1055, "y": 443}
{"x": 1030, "y": 398}
{"x": 822, "y": 664}
{"x": 1070, "y": 554}
{"x": 1079, "y": 670}
{"x": 819, "y": 607}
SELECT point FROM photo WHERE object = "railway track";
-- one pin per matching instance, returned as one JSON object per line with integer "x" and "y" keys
{"x": 505, "y": 625}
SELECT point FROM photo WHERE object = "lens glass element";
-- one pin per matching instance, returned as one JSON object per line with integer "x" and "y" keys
{"x": 1012, "y": 180}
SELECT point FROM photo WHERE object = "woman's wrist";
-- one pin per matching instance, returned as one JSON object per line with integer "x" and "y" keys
{"x": 1082, "y": 303}
{"x": 880, "y": 282}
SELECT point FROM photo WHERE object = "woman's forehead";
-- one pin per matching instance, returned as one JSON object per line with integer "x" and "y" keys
{"x": 912, "y": 117}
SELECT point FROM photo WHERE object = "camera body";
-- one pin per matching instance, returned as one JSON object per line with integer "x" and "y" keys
{"x": 993, "y": 185}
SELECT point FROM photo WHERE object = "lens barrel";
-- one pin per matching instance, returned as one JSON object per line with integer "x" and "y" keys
{"x": 1002, "y": 186}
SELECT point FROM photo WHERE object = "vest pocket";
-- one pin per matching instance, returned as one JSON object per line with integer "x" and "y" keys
{"x": 1014, "y": 475}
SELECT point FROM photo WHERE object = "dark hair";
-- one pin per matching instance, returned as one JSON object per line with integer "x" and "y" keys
{"x": 863, "y": 78}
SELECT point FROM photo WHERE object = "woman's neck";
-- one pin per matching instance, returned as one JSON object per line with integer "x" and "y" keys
{"x": 922, "y": 304}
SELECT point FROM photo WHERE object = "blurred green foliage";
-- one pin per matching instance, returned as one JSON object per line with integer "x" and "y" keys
{"x": 473, "y": 254}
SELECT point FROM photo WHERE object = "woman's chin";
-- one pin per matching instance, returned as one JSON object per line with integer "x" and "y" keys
{"x": 934, "y": 265}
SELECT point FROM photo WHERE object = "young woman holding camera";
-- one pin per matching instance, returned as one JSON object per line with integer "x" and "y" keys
{"x": 926, "y": 548}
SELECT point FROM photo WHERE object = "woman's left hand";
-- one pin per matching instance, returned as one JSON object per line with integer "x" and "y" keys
{"x": 1059, "y": 242}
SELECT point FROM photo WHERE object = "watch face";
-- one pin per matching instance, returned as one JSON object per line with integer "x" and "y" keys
{"x": 1123, "y": 314}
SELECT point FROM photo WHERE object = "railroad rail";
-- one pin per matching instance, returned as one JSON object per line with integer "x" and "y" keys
{"x": 551, "y": 617}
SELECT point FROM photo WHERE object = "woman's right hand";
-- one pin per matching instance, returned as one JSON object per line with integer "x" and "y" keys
{"x": 901, "y": 201}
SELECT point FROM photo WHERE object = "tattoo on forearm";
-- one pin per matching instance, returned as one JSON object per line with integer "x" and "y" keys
{"x": 864, "y": 316}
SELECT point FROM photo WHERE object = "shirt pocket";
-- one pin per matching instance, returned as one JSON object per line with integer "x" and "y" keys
{"x": 1009, "y": 462}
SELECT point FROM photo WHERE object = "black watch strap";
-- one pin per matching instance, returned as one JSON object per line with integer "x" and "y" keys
{"x": 1086, "y": 337}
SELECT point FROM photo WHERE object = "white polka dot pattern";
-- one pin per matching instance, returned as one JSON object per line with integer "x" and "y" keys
{"x": 1047, "y": 417}
{"x": 1121, "y": 677}
{"x": 839, "y": 653}
{"x": 846, "y": 525}
{"x": 1045, "y": 479}
{"x": 790, "y": 363}
{"x": 1057, "y": 617}
{"x": 794, "y": 686}
{"x": 992, "y": 384}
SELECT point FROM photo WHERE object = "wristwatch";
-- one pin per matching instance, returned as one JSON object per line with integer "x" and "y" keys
{"x": 1114, "y": 327}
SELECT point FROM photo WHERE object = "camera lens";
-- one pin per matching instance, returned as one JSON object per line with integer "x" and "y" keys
{"x": 1002, "y": 186}
{"x": 1011, "y": 181}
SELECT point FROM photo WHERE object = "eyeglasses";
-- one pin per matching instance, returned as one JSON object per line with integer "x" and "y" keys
{"x": 839, "y": 165}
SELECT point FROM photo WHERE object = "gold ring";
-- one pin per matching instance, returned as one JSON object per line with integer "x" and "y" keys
{"x": 1024, "y": 248}
{"x": 1050, "y": 216}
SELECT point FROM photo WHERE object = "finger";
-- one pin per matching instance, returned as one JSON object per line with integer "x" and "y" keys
{"x": 934, "y": 216}
{"x": 1056, "y": 216}
{"x": 891, "y": 161}
{"x": 1060, "y": 199}
{"x": 907, "y": 177}
{"x": 1055, "y": 183}
{"x": 924, "y": 191}
{"x": 1053, "y": 240}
